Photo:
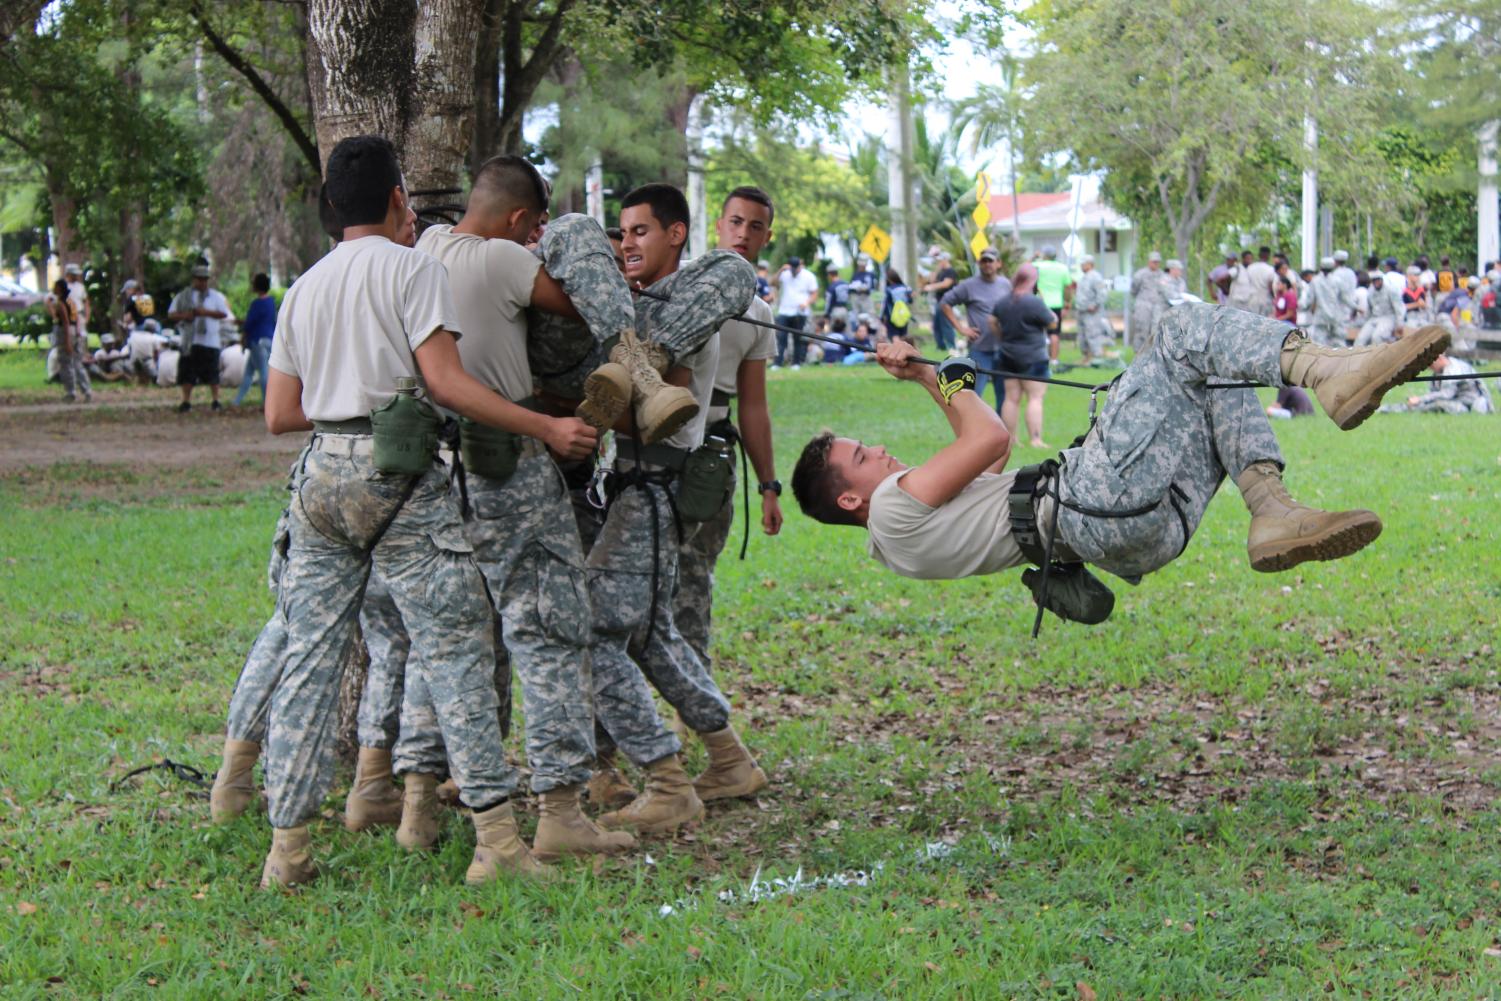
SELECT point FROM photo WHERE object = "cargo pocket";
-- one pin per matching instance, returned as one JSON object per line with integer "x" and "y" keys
{"x": 455, "y": 582}
{"x": 563, "y": 598}
{"x": 281, "y": 542}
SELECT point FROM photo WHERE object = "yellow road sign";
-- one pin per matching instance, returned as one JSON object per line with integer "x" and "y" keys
{"x": 981, "y": 214}
{"x": 876, "y": 242}
{"x": 978, "y": 242}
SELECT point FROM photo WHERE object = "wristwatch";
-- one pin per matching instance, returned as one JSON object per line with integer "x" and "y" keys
{"x": 775, "y": 486}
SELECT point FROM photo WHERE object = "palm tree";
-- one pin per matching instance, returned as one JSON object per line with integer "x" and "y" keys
{"x": 993, "y": 117}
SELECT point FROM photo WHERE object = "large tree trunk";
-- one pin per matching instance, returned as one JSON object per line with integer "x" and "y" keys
{"x": 64, "y": 211}
{"x": 364, "y": 56}
{"x": 486, "y": 84}
{"x": 442, "y": 124}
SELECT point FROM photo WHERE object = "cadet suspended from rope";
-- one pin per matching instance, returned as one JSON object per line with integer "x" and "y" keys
{"x": 1129, "y": 496}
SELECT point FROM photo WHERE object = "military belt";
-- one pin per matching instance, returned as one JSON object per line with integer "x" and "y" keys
{"x": 354, "y": 425}
{"x": 665, "y": 456}
{"x": 347, "y": 445}
{"x": 1027, "y": 490}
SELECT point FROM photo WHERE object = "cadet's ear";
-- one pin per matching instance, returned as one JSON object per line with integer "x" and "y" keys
{"x": 850, "y": 501}
{"x": 677, "y": 235}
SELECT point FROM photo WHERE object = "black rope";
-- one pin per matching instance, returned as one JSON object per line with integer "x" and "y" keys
{"x": 187, "y": 773}
{"x": 1001, "y": 374}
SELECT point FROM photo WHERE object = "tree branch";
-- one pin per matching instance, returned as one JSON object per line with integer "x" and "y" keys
{"x": 305, "y": 145}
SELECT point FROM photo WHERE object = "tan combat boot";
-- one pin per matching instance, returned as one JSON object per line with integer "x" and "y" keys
{"x": 1284, "y": 533}
{"x": 564, "y": 830}
{"x": 668, "y": 802}
{"x": 374, "y": 800}
{"x": 1350, "y": 382}
{"x": 607, "y": 392}
{"x": 234, "y": 788}
{"x": 732, "y": 772}
{"x": 608, "y": 789}
{"x": 290, "y": 862}
{"x": 660, "y": 408}
{"x": 420, "y": 823}
{"x": 498, "y": 849}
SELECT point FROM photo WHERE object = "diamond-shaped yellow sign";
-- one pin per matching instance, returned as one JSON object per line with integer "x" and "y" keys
{"x": 981, "y": 215}
{"x": 978, "y": 242}
{"x": 876, "y": 242}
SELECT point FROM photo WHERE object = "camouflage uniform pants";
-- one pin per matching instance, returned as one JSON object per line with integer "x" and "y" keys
{"x": 632, "y": 574}
{"x": 1165, "y": 440}
{"x": 1095, "y": 334}
{"x": 575, "y": 251}
{"x": 526, "y": 546}
{"x": 1144, "y": 315}
{"x": 693, "y": 602}
{"x": 72, "y": 371}
{"x": 386, "y": 640}
{"x": 250, "y": 702}
{"x": 1377, "y": 330}
{"x": 429, "y": 568}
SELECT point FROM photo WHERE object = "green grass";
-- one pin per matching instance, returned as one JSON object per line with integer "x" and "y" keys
{"x": 1231, "y": 789}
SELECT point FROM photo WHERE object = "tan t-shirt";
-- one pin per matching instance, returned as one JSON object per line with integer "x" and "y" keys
{"x": 492, "y": 286}
{"x": 349, "y": 326}
{"x": 740, "y": 341}
{"x": 971, "y": 534}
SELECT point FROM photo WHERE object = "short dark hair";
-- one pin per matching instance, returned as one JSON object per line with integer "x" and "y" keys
{"x": 751, "y": 193}
{"x": 512, "y": 181}
{"x": 614, "y": 233}
{"x": 817, "y": 486}
{"x": 666, "y": 202}
{"x": 362, "y": 170}
{"x": 261, "y": 283}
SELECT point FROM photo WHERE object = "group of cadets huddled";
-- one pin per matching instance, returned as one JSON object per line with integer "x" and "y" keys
{"x": 520, "y": 546}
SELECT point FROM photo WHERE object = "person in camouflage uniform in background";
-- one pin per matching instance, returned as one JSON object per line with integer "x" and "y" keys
{"x": 1096, "y": 338}
{"x": 1327, "y": 300}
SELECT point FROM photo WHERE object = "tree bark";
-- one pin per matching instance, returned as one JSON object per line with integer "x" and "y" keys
{"x": 442, "y": 124}
{"x": 486, "y": 84}
{"x": 64, "y": 211}
{"x": 364, "y": 56}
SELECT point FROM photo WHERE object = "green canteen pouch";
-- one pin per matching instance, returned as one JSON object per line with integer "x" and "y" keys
{"x": 488, "y": 451}
{"x": 705, "y": 484}
{"x": 406, "y": 435}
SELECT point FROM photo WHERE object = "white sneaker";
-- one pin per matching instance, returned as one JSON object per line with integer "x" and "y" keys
{"x": 796, "y": 368}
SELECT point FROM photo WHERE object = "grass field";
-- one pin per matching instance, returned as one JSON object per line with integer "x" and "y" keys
{"x": 1240, "y": 786}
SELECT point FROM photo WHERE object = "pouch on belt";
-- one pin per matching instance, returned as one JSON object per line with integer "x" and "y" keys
{"x": 405, "y": 431}
{"x": 706, "y": 481}
{"x": 488, "y": 451}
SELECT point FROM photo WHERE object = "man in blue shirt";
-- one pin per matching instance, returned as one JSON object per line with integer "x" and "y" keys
{"x": 256, "y": 333}
{"x": 837, "y": 298}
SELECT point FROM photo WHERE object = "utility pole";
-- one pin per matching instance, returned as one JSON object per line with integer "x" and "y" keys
{"x": 1310, "y": 251}
{"x": 904, "y": 252}
{"x": 698, "y": 231}
{"x": 1489, "y": 245}
{"x": 594, "y": 191}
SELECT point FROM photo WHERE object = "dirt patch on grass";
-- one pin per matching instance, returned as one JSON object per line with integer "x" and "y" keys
{"x": 1432, "y": 734}
{"x": 137, "y": 449}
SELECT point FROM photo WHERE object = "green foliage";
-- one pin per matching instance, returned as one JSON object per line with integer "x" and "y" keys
{"x": 813, "y": 192}
{"x": 1191, "y": 108}
{"x": 32, "y": 322}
